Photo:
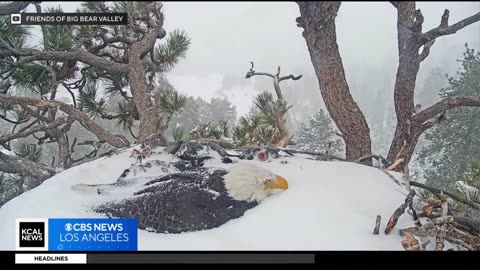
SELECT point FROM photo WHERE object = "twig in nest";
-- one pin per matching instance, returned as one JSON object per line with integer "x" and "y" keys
{"x": 439, "y": 245}
{"x": 437, "y": 192}
{"x": 380, "y": 159}
{"x": 425, "y": 244}
{"x": 410, "y": 243}
{"x": 417, "y": 221}
{"x": 400, "y": 210}
{"x": 444, "y": 205}
{"x": 453, "y": 236}
{"x": 376, "y": 230}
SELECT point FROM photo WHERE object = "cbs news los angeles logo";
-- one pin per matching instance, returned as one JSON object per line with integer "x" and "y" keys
{"x": 32, "y": 234}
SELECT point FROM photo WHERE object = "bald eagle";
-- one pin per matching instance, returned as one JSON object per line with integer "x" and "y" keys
{"x": 200, "y": 199}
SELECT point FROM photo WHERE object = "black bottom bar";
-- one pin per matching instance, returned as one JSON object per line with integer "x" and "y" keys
{"x": 210, "y": 258}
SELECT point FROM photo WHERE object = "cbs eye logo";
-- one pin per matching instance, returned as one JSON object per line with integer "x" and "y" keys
{"x": 16, "y": 18}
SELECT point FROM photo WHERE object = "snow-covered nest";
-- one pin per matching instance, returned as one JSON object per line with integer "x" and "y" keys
{"x": 328, "y": 206}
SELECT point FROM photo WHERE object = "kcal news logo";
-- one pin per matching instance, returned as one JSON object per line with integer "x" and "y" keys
{"x": 32, "y": 234}
{"x": 94, "y": 234}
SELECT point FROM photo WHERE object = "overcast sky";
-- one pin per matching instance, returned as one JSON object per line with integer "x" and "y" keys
{"x": 226, "y": 36}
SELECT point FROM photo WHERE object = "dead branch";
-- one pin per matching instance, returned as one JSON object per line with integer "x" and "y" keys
{"x": 290, "y": 76}
{"x": 395, "y": 164}
{"x": 444, "y": 204}
{"x": 410, "y": 243}
{"x": 376, "y": 230}
{"x": 443, "y": 29}
{"x": 416, "y": 219}
{"x": 446, "y": 104}
{"x": 400, "y": 210}
{"x": 437, "y": 192}
{"x": 380, "y": 159}
{"x": 439, "y": 245}
{"x": 452, "y": 235}
{"x": 425, "y": 244}
{"x": 321, "y": 155}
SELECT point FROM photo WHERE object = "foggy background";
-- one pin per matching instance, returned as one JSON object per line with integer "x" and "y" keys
{"x": 226, "y": 36}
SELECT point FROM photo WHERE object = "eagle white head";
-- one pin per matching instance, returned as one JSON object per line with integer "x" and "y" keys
{"x": 249, "y": 182}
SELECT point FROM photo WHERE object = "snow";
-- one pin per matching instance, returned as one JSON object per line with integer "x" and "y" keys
{"x": 328, "y": 206}
{"x": 6, "y": 152}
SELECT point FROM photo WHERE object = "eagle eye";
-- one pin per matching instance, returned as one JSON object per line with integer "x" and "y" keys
{"x": 267, "y": 181}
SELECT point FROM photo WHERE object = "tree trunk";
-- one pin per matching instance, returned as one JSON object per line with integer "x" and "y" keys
{"x": 318, "y": 21}
{"x": 64, "y": 160}
{"x": 280, "y": 117}
{"x": 409, "y": 30}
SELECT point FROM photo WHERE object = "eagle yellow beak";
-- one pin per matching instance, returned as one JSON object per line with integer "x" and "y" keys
{"x": 278, "y": 183}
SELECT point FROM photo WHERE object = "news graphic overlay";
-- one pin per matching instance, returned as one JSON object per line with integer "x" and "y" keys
{"x": 96, "y": 234}
{"x": 69, "y": 18}
{"x": 32, "y": 234}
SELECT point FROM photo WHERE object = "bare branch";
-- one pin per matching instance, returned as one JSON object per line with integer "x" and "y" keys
{"x": 259, "y": 74}
{"x": 443, "y": 29}
{"x": 290, "y": 77}
{"x": 446, "y": 104}
{"x": 426, "y": 51}
{"x": 400, "y": 210}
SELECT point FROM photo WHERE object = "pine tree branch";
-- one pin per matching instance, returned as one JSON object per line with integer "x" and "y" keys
{"x": 24, "y": 167}
{"x": 443, "y": 29}
{"x": 77, "y": 54}
{"x": 26, "y": 133}
{"x": 14, "y": 7}
{"x": 446, "y": 104}
{"x": 75, "y": 114}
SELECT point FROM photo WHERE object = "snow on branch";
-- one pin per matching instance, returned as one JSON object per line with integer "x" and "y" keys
{"x": 443, "y": 29}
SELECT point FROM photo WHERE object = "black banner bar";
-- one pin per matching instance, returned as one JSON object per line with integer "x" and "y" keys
{"x": 69, "y": 18}
{"x": 210, "y": 258}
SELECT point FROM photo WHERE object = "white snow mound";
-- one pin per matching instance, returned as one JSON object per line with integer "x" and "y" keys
{"x": 328, "y": 206}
